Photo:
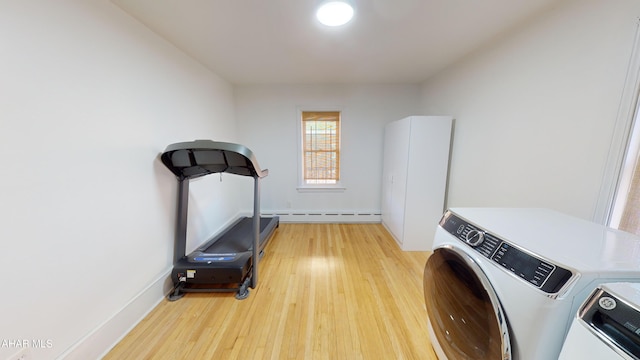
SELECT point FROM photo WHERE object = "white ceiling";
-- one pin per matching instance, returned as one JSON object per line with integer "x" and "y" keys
{"x": 279, "y": 41}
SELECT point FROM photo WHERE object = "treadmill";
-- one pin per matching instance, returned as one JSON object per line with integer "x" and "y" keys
{"x": 229, "y": 261}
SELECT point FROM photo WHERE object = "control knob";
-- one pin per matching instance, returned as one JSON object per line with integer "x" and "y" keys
{"x": 475, "y": 237}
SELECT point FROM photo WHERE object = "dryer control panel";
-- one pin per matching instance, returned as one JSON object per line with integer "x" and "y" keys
{"x": 542, "y": 274}
{"x": 614, "y": 318}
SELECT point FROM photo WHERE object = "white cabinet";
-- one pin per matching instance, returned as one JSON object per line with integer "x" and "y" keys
{"x": 415, "y": 169}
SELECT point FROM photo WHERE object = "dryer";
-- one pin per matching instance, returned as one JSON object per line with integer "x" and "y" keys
{"x": 505, "y": 283}
{"x": 607, "y": 326}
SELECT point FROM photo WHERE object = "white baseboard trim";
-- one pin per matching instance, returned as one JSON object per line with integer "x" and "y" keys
{"x": 100, "y": 341}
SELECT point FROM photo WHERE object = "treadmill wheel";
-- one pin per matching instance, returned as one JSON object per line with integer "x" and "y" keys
{"x": 243, "y": 292}
{"x": 177, "y": 294}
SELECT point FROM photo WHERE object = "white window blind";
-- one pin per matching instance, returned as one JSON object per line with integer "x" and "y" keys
{"x": 321, "y": 147}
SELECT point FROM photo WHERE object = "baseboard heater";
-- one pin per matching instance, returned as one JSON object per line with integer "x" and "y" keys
{"x": 326, "y": 216}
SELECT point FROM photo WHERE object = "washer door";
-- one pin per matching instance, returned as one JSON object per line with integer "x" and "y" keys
{"x": 465, "y": 315}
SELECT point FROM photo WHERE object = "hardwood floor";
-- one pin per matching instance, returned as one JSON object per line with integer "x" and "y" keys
{"x": 325, "y": 291}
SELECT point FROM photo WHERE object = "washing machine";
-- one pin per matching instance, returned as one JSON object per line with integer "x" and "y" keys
{"x": 505, "y": 283}
{"x": 607, "y": 326}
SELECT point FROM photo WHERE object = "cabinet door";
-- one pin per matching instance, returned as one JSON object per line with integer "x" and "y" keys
{"x": 396, "y": 152}
{"x": 428, "y": 168}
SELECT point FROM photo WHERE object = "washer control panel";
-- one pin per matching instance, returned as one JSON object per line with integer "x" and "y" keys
{"x": 542, "y": 274}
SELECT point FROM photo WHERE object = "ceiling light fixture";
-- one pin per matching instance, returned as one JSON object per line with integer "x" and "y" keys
{"x": 334, "y": 13}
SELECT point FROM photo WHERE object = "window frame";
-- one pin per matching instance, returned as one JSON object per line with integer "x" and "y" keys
{"x": 623, "y": 200}
{"x": 302, "y": 185}
{"x": 619, "y": 165}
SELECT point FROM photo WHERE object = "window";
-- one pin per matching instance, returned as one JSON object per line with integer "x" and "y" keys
{"x": 320, "y": 147}
{"x": 619, "y": 201}
{"x": 626, "y": 206}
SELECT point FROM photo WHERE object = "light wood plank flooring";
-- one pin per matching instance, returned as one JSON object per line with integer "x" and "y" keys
{"x": 325, "y": 291}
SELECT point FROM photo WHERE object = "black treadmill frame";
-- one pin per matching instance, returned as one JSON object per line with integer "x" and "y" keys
{"x": 190, "y": 160}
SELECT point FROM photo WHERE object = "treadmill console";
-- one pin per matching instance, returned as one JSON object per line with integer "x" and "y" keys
{"x": 540, "y": 273}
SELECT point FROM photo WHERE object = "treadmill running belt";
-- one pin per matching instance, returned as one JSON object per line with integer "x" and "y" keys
{"x": 237, "y": 239}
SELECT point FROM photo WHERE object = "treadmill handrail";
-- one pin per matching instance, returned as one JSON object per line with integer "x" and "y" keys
{"x": 188, "y": 160}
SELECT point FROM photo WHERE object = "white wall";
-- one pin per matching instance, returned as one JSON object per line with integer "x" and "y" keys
{"x": 535, "y": 112}
{"x": 268, "y": 118}
{"x": 88, "y": 100}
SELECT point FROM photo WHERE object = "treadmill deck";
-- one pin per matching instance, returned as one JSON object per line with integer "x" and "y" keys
{"x": 227, "y": 258}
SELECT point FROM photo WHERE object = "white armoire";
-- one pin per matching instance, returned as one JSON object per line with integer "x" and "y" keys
{"x": 415, "y": 170}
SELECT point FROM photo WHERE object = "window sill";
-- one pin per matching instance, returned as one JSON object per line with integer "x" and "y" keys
{"x": 321, "y": 188}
